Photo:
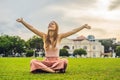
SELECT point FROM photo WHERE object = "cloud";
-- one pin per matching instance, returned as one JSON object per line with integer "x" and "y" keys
{"x": 69, "y": 14}
{"x": 114, "y": 4}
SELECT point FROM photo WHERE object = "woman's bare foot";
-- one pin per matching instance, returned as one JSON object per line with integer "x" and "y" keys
{"x": 49, "y": 70}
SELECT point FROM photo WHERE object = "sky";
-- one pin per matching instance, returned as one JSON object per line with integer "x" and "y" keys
{"x": 101, "y": 15}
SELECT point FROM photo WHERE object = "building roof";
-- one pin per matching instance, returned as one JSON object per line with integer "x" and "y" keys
{"x": 80, "y": 38}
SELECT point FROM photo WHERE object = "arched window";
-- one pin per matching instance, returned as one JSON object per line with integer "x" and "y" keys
{"x": 66, "y": 47}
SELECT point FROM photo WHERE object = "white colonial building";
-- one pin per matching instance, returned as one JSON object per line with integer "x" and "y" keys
{"x": 93, "y": 48}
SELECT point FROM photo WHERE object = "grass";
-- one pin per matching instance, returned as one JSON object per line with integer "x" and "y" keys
{"x": 78, "y": 69}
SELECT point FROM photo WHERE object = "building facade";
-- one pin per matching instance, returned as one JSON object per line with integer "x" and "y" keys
{"x": 92, "y": 47}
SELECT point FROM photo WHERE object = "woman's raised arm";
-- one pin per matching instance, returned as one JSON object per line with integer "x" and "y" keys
{"x": 39, "y": 33}
{"x": 63, "y": 35}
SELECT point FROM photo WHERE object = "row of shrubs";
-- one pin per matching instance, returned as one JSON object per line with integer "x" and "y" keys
{"x": 29, "y": 53}
{"x": 63, "y": 52}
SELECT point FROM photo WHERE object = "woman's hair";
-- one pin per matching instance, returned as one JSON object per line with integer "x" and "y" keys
{"x": 55, "y": 35}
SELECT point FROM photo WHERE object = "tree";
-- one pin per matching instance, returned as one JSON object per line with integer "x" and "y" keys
{"x": 64, "y": 52}
{"x": 5, "y": 44}
{"x": 11, "y": 44}
{"x": 114, "y": 46}
{"x": 79, "y": 52}
{"x": 107, "y": 44}
{"x": 118, "y": 51}
{"x": 18, "y": 44}
{"x": 35, "y": 43}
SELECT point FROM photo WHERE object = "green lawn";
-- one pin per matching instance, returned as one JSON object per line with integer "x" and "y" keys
{"x": 78, "y": 69}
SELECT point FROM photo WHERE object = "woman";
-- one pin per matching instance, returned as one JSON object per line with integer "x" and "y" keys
{"x": 52, "y": 39}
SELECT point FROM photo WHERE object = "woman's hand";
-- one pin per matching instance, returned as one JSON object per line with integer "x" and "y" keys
{"x": 87, "y": 26}
{"x": 19, "y": 20}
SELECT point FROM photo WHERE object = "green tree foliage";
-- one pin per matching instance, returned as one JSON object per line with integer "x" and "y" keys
{"x": 79, "y": 52}
{"x": 35, "y": 43}
{"x": 64, "y": 52}
{"x": 114, "y": 46}
{"x": 107, "y": 44}
{"x": 18, "y": 44}
{"x": 11, "y": 44}
{"x": 5, "y": 44}
{"x": 118, "y": 51}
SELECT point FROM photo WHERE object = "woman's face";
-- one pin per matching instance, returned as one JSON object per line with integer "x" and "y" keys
{"x": 52, "y": 26}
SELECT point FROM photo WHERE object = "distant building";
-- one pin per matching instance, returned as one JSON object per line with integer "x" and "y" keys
{"x": 93, "y": 48}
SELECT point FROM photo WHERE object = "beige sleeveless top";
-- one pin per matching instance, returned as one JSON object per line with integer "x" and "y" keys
{"x": 52, "y": 52}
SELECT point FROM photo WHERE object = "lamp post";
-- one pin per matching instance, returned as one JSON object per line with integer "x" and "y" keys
{"x": 110, "y": 50}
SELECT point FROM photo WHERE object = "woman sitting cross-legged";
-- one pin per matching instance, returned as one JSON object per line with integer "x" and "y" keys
{"x": 52, "y": 63}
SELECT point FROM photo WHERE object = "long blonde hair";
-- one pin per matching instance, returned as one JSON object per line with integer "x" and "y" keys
{"x": 55, "y": 35}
